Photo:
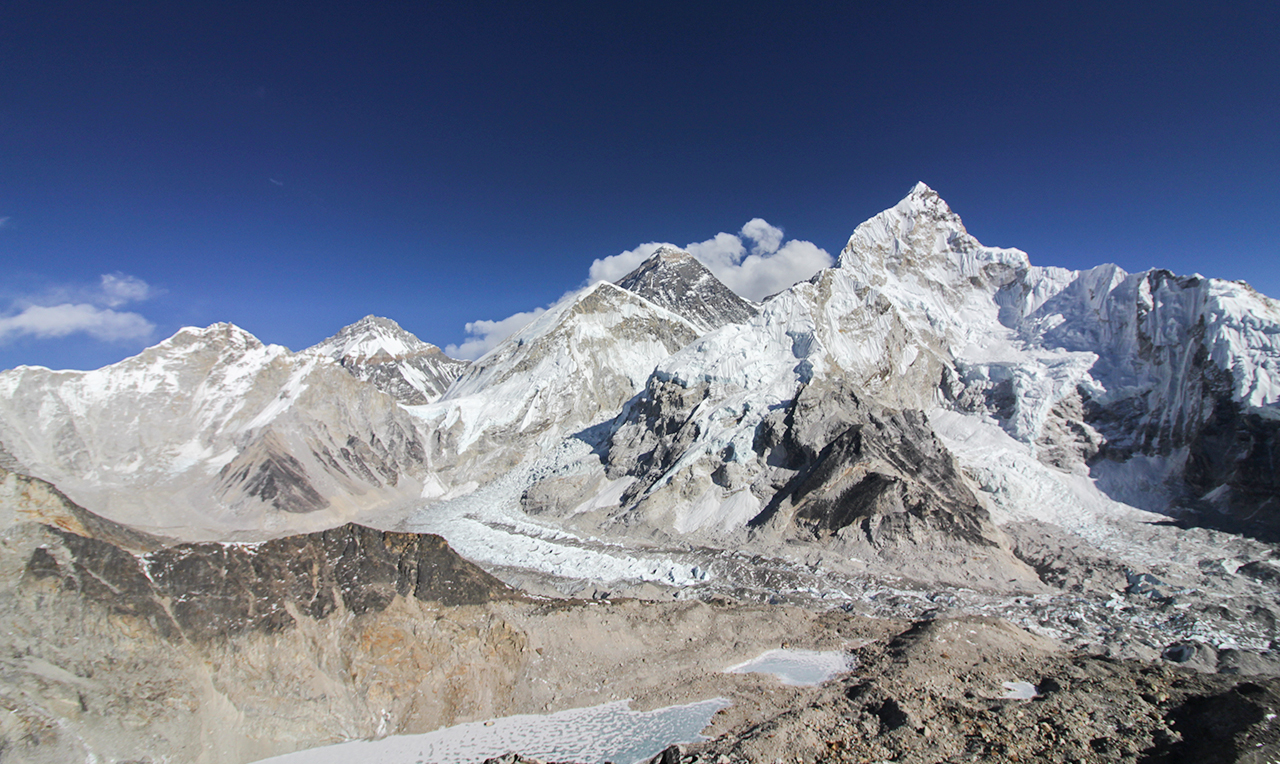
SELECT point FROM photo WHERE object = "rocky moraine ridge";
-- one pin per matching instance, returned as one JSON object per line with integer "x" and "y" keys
{"x": 957, "y": 467}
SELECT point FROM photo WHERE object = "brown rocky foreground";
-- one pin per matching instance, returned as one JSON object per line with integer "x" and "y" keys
{"x": 115, "y": 647}
{"x": 933, "y": 693}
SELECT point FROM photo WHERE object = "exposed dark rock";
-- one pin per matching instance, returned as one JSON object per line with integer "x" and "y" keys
{"x": 1224, "y": 728}
{"x": 1261, "y": 570}
{"x": 883, "y": 472}
{"x": 1234, "y": 466}
{"x": 207, "y": 591}
{"x": 266, "y": 470}
{"x": 675, "y": 280}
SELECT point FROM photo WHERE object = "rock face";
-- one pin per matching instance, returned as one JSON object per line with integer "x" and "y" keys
{"x": 212, "y": 434}
{"x": 228, "y": 652}
{"x": 25, "y": 499}
{"x": 202, "y": 592}
{"x": 393, "y": 360}
{"x": 673, "y": 279}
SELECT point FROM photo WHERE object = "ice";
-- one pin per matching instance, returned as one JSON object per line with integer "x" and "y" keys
{"x": 487, "y": 526}
{"x": 609, "y": 732}
{"x": 1020, "y": 691}
{"x": 803, "y": 668}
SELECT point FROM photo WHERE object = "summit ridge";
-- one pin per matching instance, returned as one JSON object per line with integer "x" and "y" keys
{"x": 674, "y": 279}
{"x": 379, "y": 351}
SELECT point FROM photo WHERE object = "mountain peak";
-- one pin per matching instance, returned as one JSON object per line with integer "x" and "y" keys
{"x": 380, "y": 351}
{"x": 921, "y": 189}
{"x": 674, "y": 279}
{"x": 923, "y": 199}
{"x": 223, "y": 334}
{"x": 371, "y": 321}
{"x": 922, "y": 222}
{"x": 670, "y": 254}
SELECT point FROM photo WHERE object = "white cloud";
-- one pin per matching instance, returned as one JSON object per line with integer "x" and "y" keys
{"x": 755, "y": 272}
{"x": 767, "y": 237}
{"x": 70, "y": 310}
{"x": 759, "y": 276}
{"x": 616, "y": 266}
{"x": 483, "y": 336}
{"x": 118, "y": 289}
{"x": 60, "y": 320}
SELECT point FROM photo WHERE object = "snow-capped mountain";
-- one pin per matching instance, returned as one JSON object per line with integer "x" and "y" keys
{"x": 571, "y": 368}
{"x": 673, "y": 279}
{"x": 932, "y": 424}
{"x": 919, "y": 395}
{"x": 1166, "y": 386}
{"x": 1060, "y": 392}
{"x": 399, "y": 364}
{"x": 211, "y": 434}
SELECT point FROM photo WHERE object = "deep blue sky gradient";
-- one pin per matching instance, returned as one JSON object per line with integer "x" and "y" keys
{"x": 293, "y": 167}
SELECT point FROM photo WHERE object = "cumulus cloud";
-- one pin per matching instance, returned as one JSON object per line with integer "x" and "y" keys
{"x": 60, "y": 320}
{"x": 755, "y": 262}
{"x": 616, "y": 266}
{"x": 483, "y": 336}
{"x": 90, "y": 311}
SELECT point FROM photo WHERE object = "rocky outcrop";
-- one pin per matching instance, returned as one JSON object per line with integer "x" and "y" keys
{"x": 882, "y": 475}
{"x": 202, "y": 592}
{"x": 977, "y": 689}
{"x": 26, "y": 499}
{"x": 829, "y": 469}
{"x": 227, "y": 653}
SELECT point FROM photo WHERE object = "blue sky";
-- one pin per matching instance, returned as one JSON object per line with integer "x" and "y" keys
{"x": 293, "y": 167}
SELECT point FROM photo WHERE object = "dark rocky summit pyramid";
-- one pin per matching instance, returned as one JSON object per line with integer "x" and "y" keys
{"x": 675, "y": 280}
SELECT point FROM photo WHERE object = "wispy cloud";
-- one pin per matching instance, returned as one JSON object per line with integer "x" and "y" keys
{"x": 81, "y": 310}
{"x": 4, "y": 221}
{"x": 483, "y": 336}
{"x": 118, "y": 289}
{"x": 755, "y": 262}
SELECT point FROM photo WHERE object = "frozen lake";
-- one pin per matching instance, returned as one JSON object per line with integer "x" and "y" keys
{"x": 796, "y": 667}
{"x": 610, "y": 732}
